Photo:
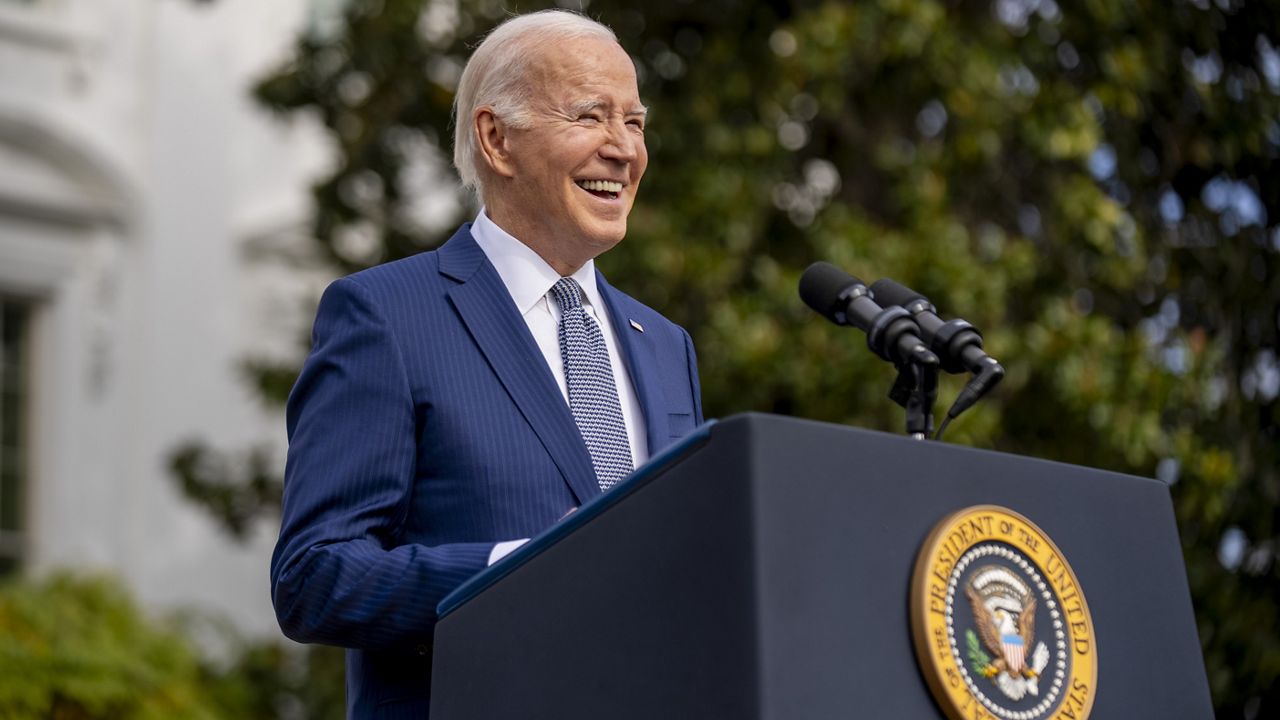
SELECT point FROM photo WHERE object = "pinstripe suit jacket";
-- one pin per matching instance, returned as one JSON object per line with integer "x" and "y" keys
{"x": 426, "y": 426}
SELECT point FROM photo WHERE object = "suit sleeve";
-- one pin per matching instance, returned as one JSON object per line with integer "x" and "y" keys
{"x": 338, "y": 575}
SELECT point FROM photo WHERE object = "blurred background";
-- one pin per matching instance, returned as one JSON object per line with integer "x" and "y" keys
{"x": 1093, "y": 183}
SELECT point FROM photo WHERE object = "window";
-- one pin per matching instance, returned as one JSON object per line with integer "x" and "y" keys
{"x": 14, "y": 317}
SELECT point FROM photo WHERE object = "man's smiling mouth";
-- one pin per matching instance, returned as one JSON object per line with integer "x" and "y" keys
{"x": 601, "y": 188}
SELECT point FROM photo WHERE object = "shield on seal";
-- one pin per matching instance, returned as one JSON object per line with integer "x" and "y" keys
{"x": 1014, "y": 652}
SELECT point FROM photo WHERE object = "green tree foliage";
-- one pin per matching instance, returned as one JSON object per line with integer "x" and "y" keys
{"x": 1091, "y": 182}
{"x": 77, "y": 648}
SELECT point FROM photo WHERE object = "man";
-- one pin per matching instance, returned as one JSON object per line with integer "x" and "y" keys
{"x": 459, "y": 401}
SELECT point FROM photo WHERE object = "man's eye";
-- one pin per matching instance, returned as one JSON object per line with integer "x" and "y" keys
{"x": 590, "y": 117}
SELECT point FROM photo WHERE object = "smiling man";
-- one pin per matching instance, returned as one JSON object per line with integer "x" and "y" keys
{"x": 460, "y": 401}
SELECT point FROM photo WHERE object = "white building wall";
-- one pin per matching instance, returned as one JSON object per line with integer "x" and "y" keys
{"x": 138, "y": 168}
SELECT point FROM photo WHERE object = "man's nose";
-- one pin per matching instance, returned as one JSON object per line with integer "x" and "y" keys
{"x": 623, "y": 144}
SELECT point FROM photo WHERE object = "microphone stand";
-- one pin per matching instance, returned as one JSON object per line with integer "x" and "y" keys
{"x": 916, "y": 390}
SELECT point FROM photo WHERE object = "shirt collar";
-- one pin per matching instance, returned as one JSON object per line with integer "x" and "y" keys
{"x": 527, "y": 276}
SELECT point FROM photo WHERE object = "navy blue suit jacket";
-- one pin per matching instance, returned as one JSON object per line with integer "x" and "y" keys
{"x": 426, "y": 426}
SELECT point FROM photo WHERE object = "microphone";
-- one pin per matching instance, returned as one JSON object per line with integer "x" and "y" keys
{"x": 957, "y": 343}
{"x": 845, "y": 300}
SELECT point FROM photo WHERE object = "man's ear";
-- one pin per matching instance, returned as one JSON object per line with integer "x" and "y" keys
{"x": 494, "y": 142}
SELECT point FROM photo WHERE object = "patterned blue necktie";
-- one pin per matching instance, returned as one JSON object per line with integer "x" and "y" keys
{"x": 593, "y": 396}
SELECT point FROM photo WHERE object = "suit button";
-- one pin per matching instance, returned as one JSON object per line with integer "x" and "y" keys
{"x": 423, "y": 650}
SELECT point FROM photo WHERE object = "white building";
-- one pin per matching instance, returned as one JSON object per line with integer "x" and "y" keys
{"x": 134, "y": 168}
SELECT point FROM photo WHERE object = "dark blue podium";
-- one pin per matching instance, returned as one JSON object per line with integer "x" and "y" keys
{"x": 763, "y": 568}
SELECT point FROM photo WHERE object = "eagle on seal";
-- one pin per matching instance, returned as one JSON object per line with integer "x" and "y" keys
{"x": 1006, "y": 635}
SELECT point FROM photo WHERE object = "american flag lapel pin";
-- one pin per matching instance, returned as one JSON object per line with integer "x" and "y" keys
{"x": 636, "y": 325}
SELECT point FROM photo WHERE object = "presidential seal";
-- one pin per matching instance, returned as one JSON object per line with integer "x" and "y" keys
{"x": 1001, "y": 628}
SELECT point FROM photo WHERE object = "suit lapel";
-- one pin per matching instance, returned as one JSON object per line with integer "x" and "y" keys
{"x": 642, "y": 365}
{"x": 485, "y": 306}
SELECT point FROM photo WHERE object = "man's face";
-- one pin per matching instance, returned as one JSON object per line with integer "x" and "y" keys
{"x": 576, "y": 169}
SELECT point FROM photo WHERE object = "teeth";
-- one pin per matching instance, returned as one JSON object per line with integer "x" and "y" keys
{"x": 600, "y": 185}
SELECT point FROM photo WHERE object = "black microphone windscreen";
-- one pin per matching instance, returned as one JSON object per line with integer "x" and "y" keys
{"x": 821, "y": 286}
{"x": 887, "y": 292}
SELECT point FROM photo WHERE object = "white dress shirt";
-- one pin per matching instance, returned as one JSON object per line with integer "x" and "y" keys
{"x": 528, "y": 278}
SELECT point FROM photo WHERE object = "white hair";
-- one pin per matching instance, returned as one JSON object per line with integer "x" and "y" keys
{"x": 498, "y": 76}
